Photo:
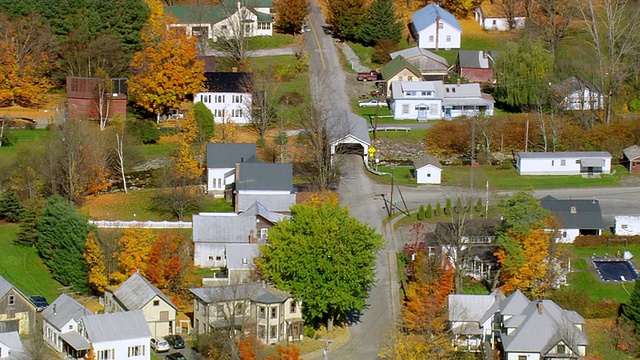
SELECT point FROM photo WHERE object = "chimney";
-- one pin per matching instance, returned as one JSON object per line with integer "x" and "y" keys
{"x": 540, "y": 307}
{"x": 234, "y": 69}
{"x": 437, "y": 30}
{"x": 458, "y": 82}
{"x": 54, "y": 310}
{"x": 252, "y": 237}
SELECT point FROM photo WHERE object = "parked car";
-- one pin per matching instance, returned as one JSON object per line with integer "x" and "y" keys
{"x": 176, "y": 356}
{"x": 39, "y": 301}
{"x": 368, "y": 76}
{"x": 327, "y": 30}
{"x": 372, "y": 103}
{"x": 160, "y": 345}
{"x": 176, "y": 341}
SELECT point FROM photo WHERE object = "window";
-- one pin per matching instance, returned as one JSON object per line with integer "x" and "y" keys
{"x": 274, "y": 312}
{"x": 428, "y": 174}
{"x": 624, "y": 226}
{"x": 262, "y": 313}
{"x": 447, "y": 89}
{"x": 574, "y": 210}
{"x": 448, "y": 38}
{"x": 563, "y": 162}
{"x": 219, "y": 310}
{"x": 494, "y": 22}
{"x": 400, "y": 78}
{"x": 405, "y": 108}
{"x": 108, "y": 354}
{"x": 264, "y": 26}
{"x": 218, "y": 257}
{"x": 264, "y": 233}
{"x": 197, "y": 307}
{"x": 430, "y": 38}
{"x": 223, "y": 27}
{"x": 156, "y": 302}
{"x": 440, "y": 26}
{"x": 164, "y": 315}
{"x": 273, "y": 333}
{"x": 135, "y": 351}
{"x": 553, "y": 162}
{"x": 522, "y": 357}
{"x": 219, "y": 182}
{"x": 262, "y": 331}
{"x": 578, "y": 161}
{"x": 219, "y": 99}
{"x": 237, "y": 99}
{"x": 11, "y": 300}
{"x": 560, "y": 349}
{"x": 247, "y": 28}
{"x": 237, "y": 113}
{"x": 409, "y": 78}
{"x": 239, "y": 309}
{"x": 70, "y": 326}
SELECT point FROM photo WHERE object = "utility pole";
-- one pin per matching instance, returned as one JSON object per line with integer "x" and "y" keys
{"x": 473, "y": 150}
{"x": 393, "y": 166}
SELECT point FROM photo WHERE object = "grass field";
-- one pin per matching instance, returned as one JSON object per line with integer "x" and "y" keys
{"x": 510, "y": 180}
{"x": 23, "y": 267}
{"x": 271, "y": 42}
{"x": 24, "y": 140}
{"x": 596, "y": 289}
{"x": 409, "y": 136}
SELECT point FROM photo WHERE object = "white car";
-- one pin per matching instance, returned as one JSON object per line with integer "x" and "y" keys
{"x": 372, "y": 103}
{"x": 160, "y": 345}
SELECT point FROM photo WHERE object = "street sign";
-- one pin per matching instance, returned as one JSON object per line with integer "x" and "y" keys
{"x": 372, "y": 150}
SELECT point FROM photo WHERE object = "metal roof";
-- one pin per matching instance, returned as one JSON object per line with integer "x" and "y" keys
{"x": 240, "y": 256}
{"x": 136, "y": 292}
{"x": 426, "y": 160}
{"x": 428, "y": 15}
{"x": 265, "y": 176}
{"x": 12, "y": 341}
{"x": 64, "y": 309}
{"x": 221, "y": 155}
{"x": 575, "y": 214}
{"x": 564, "y": 154}
{"x": 414, "y": 52}
{"x": 76, "y": 340}
{"x": 5, "y": 286}
{"x": 124, "y": 325}
{"x": 274, "y": 202}
{"x": 254, "y": 291}
{"x": 632, "y": 152}
{"x": 477, "y": 59}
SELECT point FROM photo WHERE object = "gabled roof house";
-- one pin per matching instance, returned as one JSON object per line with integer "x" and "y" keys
{"x": 137, "y": 293}
{"x": 427, "y": 170}
{"x": 476, "y": 66}
{"x": 270, "y": 184}
{"x": 576, "y": 94}
{"x": 221, "y": 163}
{"x": 228, "y": 95}
{"x": 435, "y": 28}
{"x": 519, "y": 327}
{"x": 631, "y": 158}
{"x": 120, "y": 335}
{"x": 574, "y": 217}
{"x": 431, "y": 66}
{"x": 11, "y": 347}
{"x": 61, "y": 319}
{"x": 398, "y": 69}
{"x": 17, "y": 312}
{"x": 501, "y": 15}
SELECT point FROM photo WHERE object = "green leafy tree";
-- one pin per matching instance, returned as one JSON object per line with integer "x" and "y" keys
{"x": 438, "y": 210}
{"x": 521, "y": 212}
{"x": 522, "y": 70}
{"x": 381, "y": 23}
{"x": 631, "y": 311}
{"x": 323, "y": 256}
{"x": 478, "y": 207}
{"x": 291, "y": 14}
{"x": 421, "y": 212}
{"x": 346, "y": 18}
{"x": 62, "y": 235}
{"x": 429, "y": 212}
{"x": 11, "y": 208}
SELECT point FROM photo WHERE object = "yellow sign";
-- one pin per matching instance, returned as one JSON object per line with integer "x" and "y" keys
{"x": 372, "y": 150}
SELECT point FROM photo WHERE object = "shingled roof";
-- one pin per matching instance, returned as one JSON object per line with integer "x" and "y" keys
{"x": 137, "y": 292}
{"x": 575, "y": 214}
{"x": 632, "y": 152}
{"x": 426, "y": 160}
{"x": 64, "y": 309}
{"x": 255, "y": 291}
{"x": 221, "y": 155}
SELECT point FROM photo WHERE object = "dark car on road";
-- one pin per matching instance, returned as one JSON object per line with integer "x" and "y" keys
{"x": 175, "y": 356}
{"x": 39, "y": 301}
{"x": 176, "y": 341}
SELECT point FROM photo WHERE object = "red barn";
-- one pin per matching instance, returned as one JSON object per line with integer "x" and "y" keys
{"x": 84, "y": 93}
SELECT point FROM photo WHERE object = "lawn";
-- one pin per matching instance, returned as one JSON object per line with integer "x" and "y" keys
{"x": 23, "y": 267}
{"x": 500, "y": 179}
{"x": 596, "y": 289}
{"x": 412, "y": 136}
{"x": 23, "y": 140}
{"x": 271, "y": 42}
{"x": 165, "y": 147}
{"x": 136, "y": 205}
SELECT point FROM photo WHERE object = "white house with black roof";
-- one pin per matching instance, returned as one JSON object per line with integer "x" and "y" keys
{"x": 60, "y": 326}
{"x": 221, "y": 164}
{"x": 574, "y": 217}
{"x": 564, "y": 163}
{"x": 521, "y": 328}
{"x": 228, "y": 95}
{"x": 137, "y": 293}
{"x": 273, "y": 316}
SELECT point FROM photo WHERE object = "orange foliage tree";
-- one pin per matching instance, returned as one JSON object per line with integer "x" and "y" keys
{"x": 170, "y": 266}
{"x": 289, "y": 352}
{"x": 165, "y": 71}
{"x": 135, "y": 246}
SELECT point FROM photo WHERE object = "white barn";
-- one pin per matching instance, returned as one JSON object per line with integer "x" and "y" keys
{"x": 563, "y": 163}
{"x": 627, "y": 225}
{"x": 428, "y": 170}
{"x": 492, "y": 16}
{"x": 576, "y": 94}
{"x": 435, "y": 28}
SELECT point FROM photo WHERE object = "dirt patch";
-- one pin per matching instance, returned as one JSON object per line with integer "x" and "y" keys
{"x": 54, "y": 103}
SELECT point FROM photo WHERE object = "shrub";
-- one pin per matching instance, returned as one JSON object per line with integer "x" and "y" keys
{"x": 447, "y": 207}
{"x": 478, "y": 207}
{"x": 592, "y": 241}
{"x": 421, "y": 212}
{"x": 7, "y": 139}
{"x": 634, "y": 105}
{"x": 381, "y": 51}
{"x": 429, "y": 213}
{"x": 145, "y": 131}
{"x": 438, "y": 210}
{"x": 291, "y": 98}
{"x": 507, "y": 165}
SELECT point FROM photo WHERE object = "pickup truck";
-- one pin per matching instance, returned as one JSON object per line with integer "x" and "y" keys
{"x": 370, "y": 76}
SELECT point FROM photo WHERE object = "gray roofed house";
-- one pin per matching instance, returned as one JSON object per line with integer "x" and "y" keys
{"x": 61, "y": 319}
{"x": 254, "y": 304}
{"x": 63, "y": 310}
{"x": 137, "y": 293}
{"x": 427, "y": 170}
{"x": 265, "y": 176}
{"x": 586, "y": 163}
{"x": 575, "y": 217}
{"x": 631, "y": 158}
{"x": 11, "y": 347}
{"x": 476, "y": 66}
{"x": 523, "y": 327}
{"x": 223, "y": 155}
{"x": 17, "y": 312}
{"x": 113, "y": 327}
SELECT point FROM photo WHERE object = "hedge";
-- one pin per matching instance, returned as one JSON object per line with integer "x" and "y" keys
{"x": 591, "y": 241}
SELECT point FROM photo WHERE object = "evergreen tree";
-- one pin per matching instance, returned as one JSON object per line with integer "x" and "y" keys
{"x": 447, "y": 207}
{"x": 11, "y": 209}
{"x": 346, "y": 18}
{"x": 381, "y": 23}
{"x": 62, "y": 235}
{"x": 458, "y": 208}
{"x": 421, "y": 212}
{"x": 429, "y": 213}
{"x": 478, "y": 207}
{"x": 438, "y": 210}
{"x": 28, "y": 234}
{"x": 631, "y": 311}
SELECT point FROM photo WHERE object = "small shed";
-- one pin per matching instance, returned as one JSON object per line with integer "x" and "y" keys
{"x": 625, "y": 225}
{"x": 428, "y": 170}
{"x": 631, "y": 159}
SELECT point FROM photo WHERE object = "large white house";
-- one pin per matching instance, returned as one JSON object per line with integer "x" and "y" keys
{"x": 432, "y": 100}
{"x": 248, "y": 18}
{"x": 563, "y": 163}
{"x": 121, "y": 335}
{"x": 221, "y": 164}
{"x": 435, "y": 28}
{"x": 576, "y": 94}
{"x": 60, "y": 326}
{"x": 228, "y": 96}
{"x": 496, "y": 15}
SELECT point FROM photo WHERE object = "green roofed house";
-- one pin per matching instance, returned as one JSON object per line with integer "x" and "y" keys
{"x": 398, "y": 69}
{"x": 247, "y": 18}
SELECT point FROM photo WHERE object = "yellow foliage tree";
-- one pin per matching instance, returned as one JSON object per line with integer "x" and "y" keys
{"x": 135, "y": 247}
{"x": 97, "y": 276}
{"x": 155, "y": 22}
{"x": 411, "y": 346}
{"x": 91, "y": 354}
{"x": 186, "y": 164}
{"x": 165, "y": 71}
{"x": 225, "y": 132}
{"x": 318, "y": 198}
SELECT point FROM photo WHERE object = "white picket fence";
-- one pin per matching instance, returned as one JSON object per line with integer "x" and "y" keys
{"x": 121, "y": 224}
